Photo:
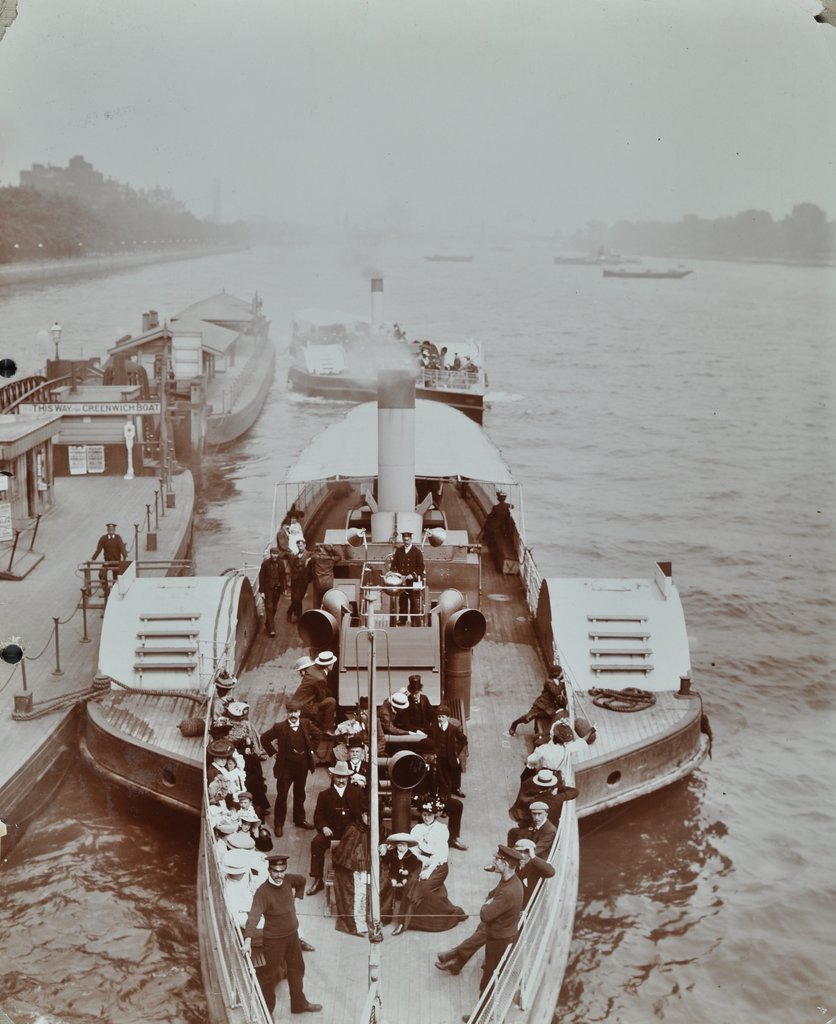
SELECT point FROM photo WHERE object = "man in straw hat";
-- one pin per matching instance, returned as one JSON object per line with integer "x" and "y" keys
{"x": 336, "y": 806}
{"x": 274, "y": 901}
{"x": 498, "y": 920}
{"x": 312, "y": 694}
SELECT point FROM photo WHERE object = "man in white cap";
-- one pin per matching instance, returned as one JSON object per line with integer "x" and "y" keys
{"x": 312, "y": 693}
{"x": 113, "y": 548}
{"x": 409, "y": 562}
{"x": 541, "y": 831}
{"x": 531, "y": 867}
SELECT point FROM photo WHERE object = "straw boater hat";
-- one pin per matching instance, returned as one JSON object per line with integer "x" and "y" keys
{"x": 545, "y": 778}
{"x": 325, "y": 659}
{"x": 401, "y": 837}
{"x": 399, "y": 700}
{"x": 226, "y": 828}
{"x": 304, "y": 662}
{"x": 236, "y": 862}
{"x": 237, "y": 709}
{"x": 241, "y": 841}
{"x": 341, "y": 770}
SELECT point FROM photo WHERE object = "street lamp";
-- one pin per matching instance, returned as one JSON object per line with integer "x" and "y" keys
{"x": 56, "y": 330}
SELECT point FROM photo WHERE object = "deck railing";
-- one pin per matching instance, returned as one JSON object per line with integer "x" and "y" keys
{"x": 452, "y": 380}
{"x": 539, "y": 955}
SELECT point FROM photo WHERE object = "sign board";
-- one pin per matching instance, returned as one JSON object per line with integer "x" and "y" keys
{"x": 6, "y": 530}
{"x": 77, "y": 459}
{"x": 93, "y": 408}
{"x": 95, "y": 458}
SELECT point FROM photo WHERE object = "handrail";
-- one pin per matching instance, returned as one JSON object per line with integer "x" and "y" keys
{"x": 541, "y": 949}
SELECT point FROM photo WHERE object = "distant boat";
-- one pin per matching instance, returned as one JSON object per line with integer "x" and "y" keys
{"x": 648, "y": 273}
{"x": 449, "y": 259}
{"x": 598, "y": 259}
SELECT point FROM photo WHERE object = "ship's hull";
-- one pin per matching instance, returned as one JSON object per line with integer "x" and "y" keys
{"x": 341, "y": 388}
{"x": 226, "y": 427}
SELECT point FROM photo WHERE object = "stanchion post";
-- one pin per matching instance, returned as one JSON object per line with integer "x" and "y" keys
{"x": 162, "y": 495}
{"x": 85, "y": 639}
{"x": 35, "y": 531}
{"x": 147, "y": 518}
{"x": 136, "y": 541}
{"x": 57, "y": 671}
{"x": 156, "y": 510}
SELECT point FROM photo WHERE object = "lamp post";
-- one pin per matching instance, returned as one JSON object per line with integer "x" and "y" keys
{"x": 56, "y": 331}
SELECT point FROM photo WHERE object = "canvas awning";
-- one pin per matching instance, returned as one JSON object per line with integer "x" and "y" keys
{"x": 447, "y": 444}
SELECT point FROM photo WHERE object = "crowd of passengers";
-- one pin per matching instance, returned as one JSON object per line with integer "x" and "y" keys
{"x": 414, "y": 865}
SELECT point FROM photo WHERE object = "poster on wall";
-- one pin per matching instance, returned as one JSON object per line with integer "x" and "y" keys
{"x": 95, "y": 458}
{"x": 6, "y": 529}
{"x": 77, "y": 459}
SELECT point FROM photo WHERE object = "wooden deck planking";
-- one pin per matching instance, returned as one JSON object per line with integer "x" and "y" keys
{"x": 67, "y": 536}
{"x": 507, "y": 676}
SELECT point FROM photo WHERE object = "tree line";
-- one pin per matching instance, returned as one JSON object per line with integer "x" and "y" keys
{"x": 805, "y": 235}
{"x": 35, "y": 225}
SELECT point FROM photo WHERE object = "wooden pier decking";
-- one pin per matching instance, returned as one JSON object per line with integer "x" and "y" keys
{"x": 66, "y": 537}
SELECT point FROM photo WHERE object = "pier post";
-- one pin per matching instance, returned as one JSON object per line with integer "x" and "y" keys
{"x": 35, "y": 531}
{"x": 14, "y": 548}
{"x": 136, "y": 541}
{"x": 162, "y": 495}
{"x": 57, "y": 671}
{"x": 156, "y": 510}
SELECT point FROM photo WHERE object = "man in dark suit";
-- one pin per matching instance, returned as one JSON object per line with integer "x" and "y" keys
{"x": 531, "y": 868}
{"x": 409, "y": 562}
{"x": 113, "y": 548}
{"x": 419, "y": 714}
{"x": 448, "y": 742}
{"x": 292, "y": 743}
{"x": 271, "y": 583}
{"x": 336, "y": 806}
{"x": 541, "y": 831}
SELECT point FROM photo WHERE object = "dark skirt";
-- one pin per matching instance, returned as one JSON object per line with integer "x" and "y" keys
{"x": 429, "y": 907}
{"x": 350, "y": 901}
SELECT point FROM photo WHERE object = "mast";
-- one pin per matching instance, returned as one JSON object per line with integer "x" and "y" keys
{"x": 375, "y": 926}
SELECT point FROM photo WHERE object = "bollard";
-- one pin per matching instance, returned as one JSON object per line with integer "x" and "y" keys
{"x": 150, "y": 541}
{"x": 171, "y": 500}
{"x": 57, "y": 671}
{"x": 23, "y": 703}
{"x": 147, "y": 517}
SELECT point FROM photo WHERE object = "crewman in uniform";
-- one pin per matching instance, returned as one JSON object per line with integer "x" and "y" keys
{"x": 409, "y": 562}
{"x": 274, "y": 900}
{"x": 113, "y": 548}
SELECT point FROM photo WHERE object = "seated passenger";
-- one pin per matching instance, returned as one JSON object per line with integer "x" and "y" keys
{"x": 428, "y": 907}
{"x": 552, "y": 699}
{"x": 400, "y": 866}
{"x": 238, "y": 890}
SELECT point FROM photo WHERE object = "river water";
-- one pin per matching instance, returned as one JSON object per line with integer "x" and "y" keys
{"x": 686, "y": 420}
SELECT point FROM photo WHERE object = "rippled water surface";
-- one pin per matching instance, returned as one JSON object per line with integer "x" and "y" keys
{"x": 686, "y": 420}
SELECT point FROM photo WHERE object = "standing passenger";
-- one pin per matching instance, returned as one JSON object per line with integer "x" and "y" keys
{"x": 271, "y": 583}
{"x": 299, "y": 571}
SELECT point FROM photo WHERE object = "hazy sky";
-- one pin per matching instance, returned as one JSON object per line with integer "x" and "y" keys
{"x": 532, "y": 114}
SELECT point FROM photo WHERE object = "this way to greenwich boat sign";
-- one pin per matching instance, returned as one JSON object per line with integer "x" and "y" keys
{"x": 93, "y": 408}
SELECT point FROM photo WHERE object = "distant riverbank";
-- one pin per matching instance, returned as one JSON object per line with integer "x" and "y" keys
{"x": 44, "y": 270}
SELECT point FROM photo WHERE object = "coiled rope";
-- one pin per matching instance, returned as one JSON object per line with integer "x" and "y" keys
{"x": 628, "y": 699}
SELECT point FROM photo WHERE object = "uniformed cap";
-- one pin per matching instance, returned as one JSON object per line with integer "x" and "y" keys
{"x": 277, "y": 858}
{"x": 501, "y": 494}
{"x": 508, "y": 854}
{"x": 108, "y": 525}
{"x": 539, "y": 805}
{"x": 407, "y": 533}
